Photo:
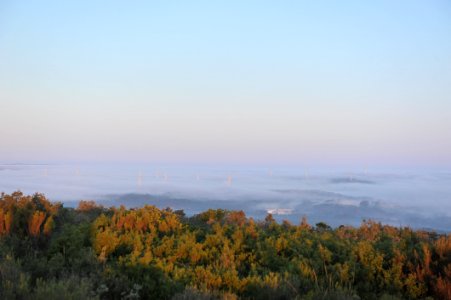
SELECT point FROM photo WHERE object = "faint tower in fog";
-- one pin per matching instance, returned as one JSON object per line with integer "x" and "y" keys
{"x": 140, "y": 179}
{"x": 229, "y": 180}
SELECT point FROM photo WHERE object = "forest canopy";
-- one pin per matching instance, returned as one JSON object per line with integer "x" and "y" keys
{"x": 48, "y": 251}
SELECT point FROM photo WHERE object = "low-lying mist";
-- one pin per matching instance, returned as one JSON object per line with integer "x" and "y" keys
{"x": 337, "y": 197}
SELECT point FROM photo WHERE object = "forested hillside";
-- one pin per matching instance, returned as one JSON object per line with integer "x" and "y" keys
{"x": 48, "y": 251}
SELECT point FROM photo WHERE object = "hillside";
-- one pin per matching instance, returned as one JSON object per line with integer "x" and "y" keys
{"x": 92, "y": 252}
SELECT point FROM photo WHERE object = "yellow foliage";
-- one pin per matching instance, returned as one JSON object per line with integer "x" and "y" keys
{"x": 49, "y": 225}
{"x": 35, "y": 222}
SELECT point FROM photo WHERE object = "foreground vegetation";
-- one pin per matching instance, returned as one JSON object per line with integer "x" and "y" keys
{"x": 51, "y": 252}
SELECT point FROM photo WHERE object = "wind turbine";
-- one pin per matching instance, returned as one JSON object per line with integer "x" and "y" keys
{"x": 229, "y": 180}
{"x": 140, "y": 179}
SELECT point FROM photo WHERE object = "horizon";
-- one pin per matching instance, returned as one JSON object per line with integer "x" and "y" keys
{"x": 300, "y": 165}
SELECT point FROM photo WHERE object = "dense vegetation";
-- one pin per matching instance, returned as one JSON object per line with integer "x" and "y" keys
{"x": 51, "y": 252}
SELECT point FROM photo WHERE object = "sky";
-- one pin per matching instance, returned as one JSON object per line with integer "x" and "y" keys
{"x": 264, "y": 82}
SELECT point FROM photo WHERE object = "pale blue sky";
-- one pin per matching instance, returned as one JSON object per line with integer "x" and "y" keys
{"x": 361, "y": 82}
